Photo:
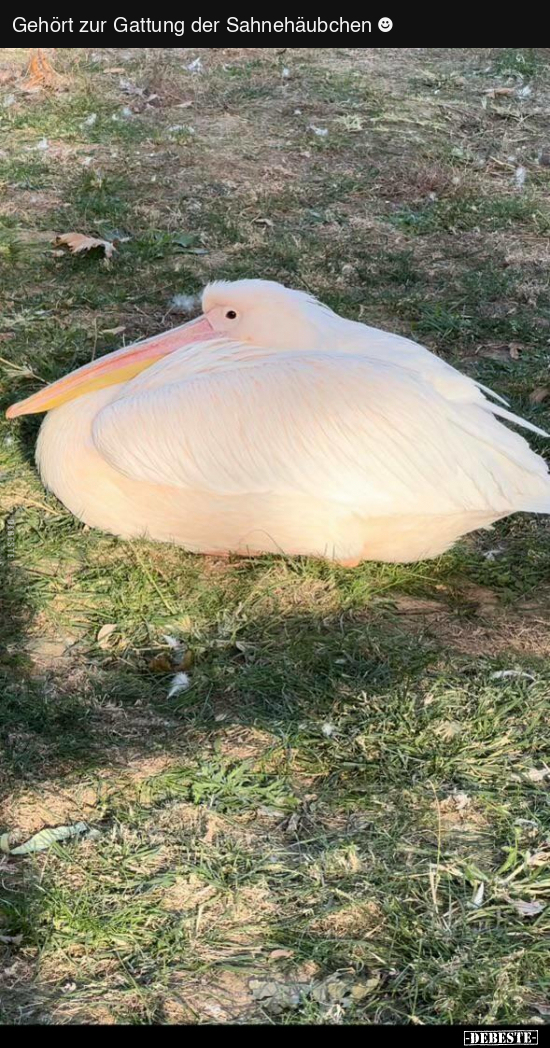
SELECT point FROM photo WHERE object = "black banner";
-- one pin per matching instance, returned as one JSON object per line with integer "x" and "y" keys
{"x": 379, "y": 27}
{"x": 200, "y": 30}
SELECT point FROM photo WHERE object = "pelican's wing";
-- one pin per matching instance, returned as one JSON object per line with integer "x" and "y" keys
{"x": 373, "y": 435}
{"x": 388, "y": 347}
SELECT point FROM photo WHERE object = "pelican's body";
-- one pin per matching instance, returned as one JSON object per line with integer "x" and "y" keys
{"x": 274, "y": 425}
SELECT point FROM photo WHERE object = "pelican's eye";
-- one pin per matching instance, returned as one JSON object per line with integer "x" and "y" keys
{"x": 231, "y": 314}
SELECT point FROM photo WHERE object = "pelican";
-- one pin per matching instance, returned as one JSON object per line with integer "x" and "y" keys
{"x": 272, "y": 425}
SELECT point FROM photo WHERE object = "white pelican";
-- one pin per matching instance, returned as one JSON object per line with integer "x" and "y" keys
{"x": 271, "y": 424}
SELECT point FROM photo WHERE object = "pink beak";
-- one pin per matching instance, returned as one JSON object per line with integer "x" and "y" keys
{"x": 114, "y": 368}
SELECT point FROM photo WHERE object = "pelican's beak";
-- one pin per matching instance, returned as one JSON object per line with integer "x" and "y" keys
{"x": 114, "y": 368}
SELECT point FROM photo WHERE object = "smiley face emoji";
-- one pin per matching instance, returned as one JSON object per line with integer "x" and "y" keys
{"x": 385, "y": 24}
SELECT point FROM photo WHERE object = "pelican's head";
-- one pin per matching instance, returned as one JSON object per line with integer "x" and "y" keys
{"x": 259, "y": 312}
{"x": 266, "y": 314}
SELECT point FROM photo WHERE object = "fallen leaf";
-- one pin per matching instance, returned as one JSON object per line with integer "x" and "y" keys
{"x": 280, "y": 955}
{"x": 11, "y": 940}
{"x": 337, "y": 989}
{"x": 494, "y": 92}
{"x": 279, "y": 996}
{"x": 539, "y": 395}
{"x": 78, "y": 242}
{"x": 330, "y": 991}
{"x": 5, "y": 844}
{"x": 40, "y": 73}
{"x": 115, "y": 69}
{"x": 161, "y": 664}
{"x": 361, "y": 990}
{"x": 494, "y": 351}
{"x": 515, "y": 349}
{"x": 105, "y": 634}
{"x": 528, "y": 909}
{"x": 186, "y": 662}
{"x": 47, "y": 838}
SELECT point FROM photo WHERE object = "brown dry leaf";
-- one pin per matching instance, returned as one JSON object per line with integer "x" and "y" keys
{"x": 161, "y": 664}
{"x": 501, "y": 351}
{"x": 539, "y": 395}
{"x": 281, "y": 955}
{"x": 115, "y": 69}
{"x": 187, "y": 662}
{"x": 493, "y": 92}
{"x": 41, "y": 73}
{"x": 78, "y": 242}
{"x": 104, "y": 636}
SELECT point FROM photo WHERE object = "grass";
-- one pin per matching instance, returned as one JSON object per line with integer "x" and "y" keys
{"x": 345, "y": 818}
